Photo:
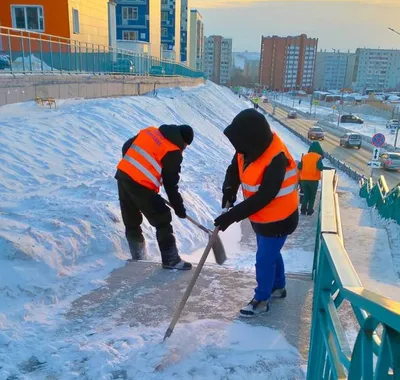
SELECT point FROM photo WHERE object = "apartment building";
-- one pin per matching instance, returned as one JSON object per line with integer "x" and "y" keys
{"x": 185, "y": 31}
{"x": 138, "y": 24}
{"x": 288, "y": 63}
{"x": 171, "y": 29}
{"x": 196, "y": 36}
{"x": 376, "y": 69}
{"x": 334, "y": 70}
{"x": 218, "y": 59}
{"x": 80, "y": 20}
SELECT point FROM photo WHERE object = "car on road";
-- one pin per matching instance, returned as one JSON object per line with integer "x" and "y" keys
{"x": 156, "y": 71}
{"x": 315, "y": 133}
{"x": 265, "y": 100}
{"x": 124, "y": 65}
{"x": 390, "y": 161}
{"x": 351, "y": 140}
{"x": 5, "y": 62}
{"x": 351, "y": 119}
{"x": 292, "y": 114}
{"x": 393, "y": 124}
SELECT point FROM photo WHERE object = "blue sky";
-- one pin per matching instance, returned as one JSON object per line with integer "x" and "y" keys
{"x": 339, "y": 24}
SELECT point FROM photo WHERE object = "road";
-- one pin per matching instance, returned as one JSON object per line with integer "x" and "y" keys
{"x": 357, "y": 159}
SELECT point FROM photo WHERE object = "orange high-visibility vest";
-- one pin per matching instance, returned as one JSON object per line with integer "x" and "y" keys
{"x": 309, "y": 171}
{"x": 142, "y": 161}
{"x": 286, "y": 201}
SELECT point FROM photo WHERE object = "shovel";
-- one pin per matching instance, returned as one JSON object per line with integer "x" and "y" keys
{"x": 217, "y": 246}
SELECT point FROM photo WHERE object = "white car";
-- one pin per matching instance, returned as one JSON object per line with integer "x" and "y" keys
{"x": 393, "y": 124}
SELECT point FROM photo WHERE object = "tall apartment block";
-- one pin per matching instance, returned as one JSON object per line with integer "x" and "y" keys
{"x": 171, "y": 29}
{"x": 196, "y": 35}
{"x": 334, "y": 70}
{"x": 288, "y": 63}
{"x": 139, "y": 26}
{"x": 376, "y": 69}
{"x": 185, "y": 30}
{"x": 218, "y": 59}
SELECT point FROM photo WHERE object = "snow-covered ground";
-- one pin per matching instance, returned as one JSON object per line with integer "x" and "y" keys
{"x": 372, "y": 124}
{"x": 61, "y": 234}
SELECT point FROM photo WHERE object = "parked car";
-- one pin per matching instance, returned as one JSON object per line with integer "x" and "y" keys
{"x": 265, "y": 100}
{"x": 351, "y": 140}
{"x": 390, "y": 161}
{"x": 124, "y": 65}
{"x": 351, "y": 119}
{"x": 157, "y": 71}
{"x": 292, "y": 114}
{"x": 316, "y": 133}
{"x": 393, "y": 124}
{"x": 5, "y": 62}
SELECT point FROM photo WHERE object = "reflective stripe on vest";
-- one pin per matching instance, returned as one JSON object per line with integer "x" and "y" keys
{"x": 142, "y": 161}
{"x": 141, "y": 168}
{"x": 284, "y": 191}
{"x": 286, "y": 201}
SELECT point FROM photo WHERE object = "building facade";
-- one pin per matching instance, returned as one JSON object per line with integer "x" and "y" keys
{"x": 138, "y": 24}
{"x": 218, "y": 59}
{"x": 171, "y": 29}
{"x": 185, "y": 31}
{"x": 288, "y": 63}
{"x": 334, "y": 70}
{"x": 196, "y": 36}
{"x": 376, "y": 69}
{"x": 80, "y": 20}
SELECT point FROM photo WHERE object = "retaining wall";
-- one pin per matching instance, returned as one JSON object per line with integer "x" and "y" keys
{"x": 21, "y": 88}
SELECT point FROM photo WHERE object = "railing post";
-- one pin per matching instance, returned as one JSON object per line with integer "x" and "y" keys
{"x": 41, "y": 53}
{"x": 23, "y": 52}
{"x": 51, "y": 55}
{"x": 30, "y": 52}
{"x": 10, "y": 51}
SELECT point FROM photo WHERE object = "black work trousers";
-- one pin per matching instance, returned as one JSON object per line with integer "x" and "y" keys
{"x": 135, "y": 201}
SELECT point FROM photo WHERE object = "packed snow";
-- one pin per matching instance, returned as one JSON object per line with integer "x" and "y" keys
{"x": 62, "y": 234}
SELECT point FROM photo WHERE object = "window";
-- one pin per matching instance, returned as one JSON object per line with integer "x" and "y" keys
{"x": 28, "y": 17}
{"x": 164, "y": 2}
{"x": 75, "y": 21}
{"x": 164, "y": 32}
{"x": 164, "y": 16}
{"x": 130, "y": 35}
{"x": 129, "y": 13}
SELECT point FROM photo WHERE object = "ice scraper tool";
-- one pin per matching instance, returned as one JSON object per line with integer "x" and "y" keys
{"x": 217, "y": 246}
{"x": 178, "y": 311}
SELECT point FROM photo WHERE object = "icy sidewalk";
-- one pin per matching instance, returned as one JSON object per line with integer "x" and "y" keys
{"x": 209, "y": 341}
{"x": 373, "y": 246}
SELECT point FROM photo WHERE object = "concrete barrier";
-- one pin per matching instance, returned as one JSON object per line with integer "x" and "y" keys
{"x": 22, "y": 88}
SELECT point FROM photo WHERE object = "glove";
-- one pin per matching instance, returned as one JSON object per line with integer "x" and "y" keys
{"x": 229, "y": 197}
{"x": 180, "y": 212}
{"x": 224, "y": 220}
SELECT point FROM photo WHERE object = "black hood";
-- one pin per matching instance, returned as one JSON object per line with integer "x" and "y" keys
{"x": 250, "y": 134}
{"x": 173, "y": 134}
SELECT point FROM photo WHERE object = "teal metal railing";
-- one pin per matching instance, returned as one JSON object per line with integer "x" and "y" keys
{"x": 378, "y": 195}
{"x": 376, "y": 351}
{"x": 23, "y": 51}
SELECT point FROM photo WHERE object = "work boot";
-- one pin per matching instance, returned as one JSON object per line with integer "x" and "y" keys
{"x": 138, "y": 249}
{"x": 303, "y": 212}
{"x": 279, "y": 293}
{"x": 310, "y": 212}
{"x": 254, "y": 308}
{"x": 180, "y": 265}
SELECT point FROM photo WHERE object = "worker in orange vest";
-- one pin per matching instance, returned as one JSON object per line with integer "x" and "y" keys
{"x": 310, "y": 168}
{"x": 267, "y": 173}
{"x": 151, "y": 159}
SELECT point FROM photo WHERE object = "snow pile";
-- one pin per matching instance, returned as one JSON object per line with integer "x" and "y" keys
{"x": 61, "y": 234}
{"x": 30, "y": 63}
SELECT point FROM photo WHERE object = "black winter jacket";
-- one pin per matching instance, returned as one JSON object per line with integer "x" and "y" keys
{"x": 171, "y": 166}
{"x": 250, "y": 134}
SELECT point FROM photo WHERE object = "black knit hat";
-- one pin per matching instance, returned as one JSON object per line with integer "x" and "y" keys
{"x": 187, "y": 133}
